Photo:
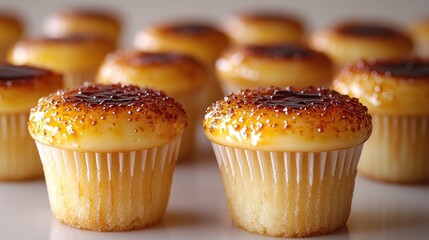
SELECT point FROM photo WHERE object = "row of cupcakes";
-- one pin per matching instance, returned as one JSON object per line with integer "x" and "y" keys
{"x": 287, "y": 156}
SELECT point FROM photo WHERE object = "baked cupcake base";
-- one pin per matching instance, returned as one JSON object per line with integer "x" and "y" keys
{"x": 273, "y": 193}
{"x": 397, "y": 150}
{"x": 109, "y": 191}
{"x": 19, "y": 159}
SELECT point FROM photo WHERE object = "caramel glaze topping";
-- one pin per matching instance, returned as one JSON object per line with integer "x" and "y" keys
{"x": 408, "y": 68}
{"x": 280, "y": 108}
{"x": 189, "y": 29}
{"x": 69, "y": 113}
{"x": 89, "y": 13}
{"x": 71, "y": 39}
{"x": 150, "y": 58}
{"x": 283, "y": 51}
{"x": 267, "y": 16}
{"x": 11, "y": 74}
{"x": 117, "y": 98}
{"x": 366, "y": 30}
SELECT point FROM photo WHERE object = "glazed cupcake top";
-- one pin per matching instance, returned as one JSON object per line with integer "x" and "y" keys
{"x": 22, "y": 86}
{"x": 264, "y": 28}
{"x": 353, "y": 41}
{"x": 397, "y": 86}
{"x": 288, "y": 119}
{"x": 106, "y": 118}
{"x": 202, "y": 41}
{"x": 78, "y": 52}
{"x": 83, "y": 21}
{"x": 173, "y": 73}
{"x": 277, "y": 64}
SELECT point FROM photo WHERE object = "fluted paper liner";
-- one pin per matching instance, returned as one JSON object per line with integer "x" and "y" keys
{"x": 293, "y": 194}
{"x": 398, "y": 149}
{"x": 109, "y": 191}
{"x": 18, "y": 154}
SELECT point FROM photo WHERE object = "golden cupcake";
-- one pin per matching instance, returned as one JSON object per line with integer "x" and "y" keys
{"x": 396, "y": 94}
{"x": 108, "y": 154}
{"x": 77, "y": 57}
{"x": 20, "y": 89}
{"x": 264, "y": 28}
{"x": 353, "y": 41}
{"x": 201, "y": 41}
{"x": 288, "y": 157}
{"x": 419, "y": 32}
{"x": 280, "y": 65}
{"x": 83, "y": 21}
{"x": 179, "y": 76}
{"x": 11, "y": 30}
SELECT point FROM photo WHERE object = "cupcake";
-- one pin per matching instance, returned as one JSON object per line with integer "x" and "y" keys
{"x": 396, "y": 93}
{"x": 179, "y": 76}
{"x": 77, "y": 57}
{"x": 201, "y": 41}
{"x": 83, "y": 21}
{"x": 353, "y": 41}
{"x": 278, "y": 65}
{"x": 419, "y": 31}
{"x": 11, "y": 29}
{"x": 288, "y": 157}
{"x": 20, "y": 88}
{"x": 264, "y": 28}
{"x": 108, "y": 154}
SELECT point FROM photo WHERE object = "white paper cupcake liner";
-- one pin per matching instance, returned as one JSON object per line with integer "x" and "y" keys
{"x": 397, "y": 149}
{"x": 291, "y": 194}
{"x": 77, "y": 79}
{"x": 18, "y": 154}
{"x": 109, "y": 191}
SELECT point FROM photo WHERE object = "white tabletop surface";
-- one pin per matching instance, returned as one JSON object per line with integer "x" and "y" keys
{"x": 198, "y": 210}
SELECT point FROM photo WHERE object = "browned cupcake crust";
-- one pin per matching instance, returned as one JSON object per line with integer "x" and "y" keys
{"x": 125, "y": 115}
{"x": 89, "y": 13}
{"x": 11, "y": 75}
{"x": 189, "y": 29}
{"x": 279, "y": 51}
{"x": 405, "y": 69}
{"x": 268, "y": 117}
{"x": 367, "y": 30}
{"x": 396, "y": 86}
{"x": 22, "y": 86}
{"x": 140, "y": 58}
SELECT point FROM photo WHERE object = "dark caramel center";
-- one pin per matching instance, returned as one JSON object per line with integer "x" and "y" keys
{"x": 287, "y": 98}
{"x": 189, "y": 29}
{"x": 154, "y": 58}
{"x": 405, "y": 69}
{"x": 280, "y": 51}
{"x": 109, "y": 95}
{"x": 12, "y": 73}
{"x": 366, "y": 31}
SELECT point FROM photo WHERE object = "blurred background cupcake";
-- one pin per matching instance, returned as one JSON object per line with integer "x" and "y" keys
{"x": 83, "y": 21}
{"x": 280, "y": 65}
{"x": 11, "y": 30}
{"x": 20, "y": 89}
{"x": 76, "y": 57}
{"x": 396, "y": 93}
{"x": 419, "y": 31}
{"x": 264, "y": 27}
{"x": 352, "y": 41}
{"x": 179, "y": 76}
{"x": 199, "y": 40}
